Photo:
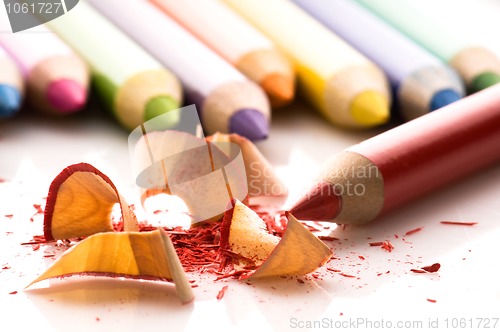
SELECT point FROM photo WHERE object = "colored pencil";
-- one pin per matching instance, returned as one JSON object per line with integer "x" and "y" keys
{"x": 227, "y": 100}
{"x": 478, "y": 66}
{"x": 237, "y": 42}
{"x": 56, "y": 78}
{"x": 133, "y": 85}
{"x": 11, "y": 86}
{"x": 385, "y": 172}
{"x": 421, "y": 83}
{"x": 347, "y": 88}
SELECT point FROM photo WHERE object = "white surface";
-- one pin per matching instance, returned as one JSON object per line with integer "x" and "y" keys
{"x": 34, "y": 149}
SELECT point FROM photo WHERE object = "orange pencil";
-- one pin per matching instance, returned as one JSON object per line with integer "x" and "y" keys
{"x": 242, "y": 45}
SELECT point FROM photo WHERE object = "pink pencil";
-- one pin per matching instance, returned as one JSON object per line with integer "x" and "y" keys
{"x": 56, "y": 78}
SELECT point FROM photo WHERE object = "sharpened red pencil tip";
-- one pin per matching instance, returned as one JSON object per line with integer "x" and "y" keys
{"x": 66, "y": 96}
{"x": 321, "y": 203}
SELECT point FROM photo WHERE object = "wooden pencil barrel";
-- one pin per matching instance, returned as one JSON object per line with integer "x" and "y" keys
{"x": 437, "y": 149}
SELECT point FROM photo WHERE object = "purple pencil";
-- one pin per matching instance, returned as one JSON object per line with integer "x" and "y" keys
{"x": 420, "y": 81}
{"x": 227, "y": 101}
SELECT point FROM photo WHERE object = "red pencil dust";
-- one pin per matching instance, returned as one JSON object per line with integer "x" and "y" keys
{"x": 221, "y": 293}
{"x": 458, "y": 223}
{"x": 432, "y": 268}
{"x": 383, "y": 173}
{"x": 413, "y": 231}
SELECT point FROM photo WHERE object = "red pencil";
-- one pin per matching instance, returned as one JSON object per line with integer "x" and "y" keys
{"x": 383, "y": 173}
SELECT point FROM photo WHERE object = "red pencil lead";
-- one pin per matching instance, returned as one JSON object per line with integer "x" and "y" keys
{"x": 387, "y": 171}
{"x": 321, "y": 203}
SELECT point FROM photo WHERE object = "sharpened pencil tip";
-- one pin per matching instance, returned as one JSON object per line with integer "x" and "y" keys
{"x": 443, "y": 98}
{"x": 249, "y": 123}
{"x": 279, "y": 88}
{"x": 161, "y": 105}
{"x": 370, "y": 108}
{"x": 10, "y": 101}
{"x": 483, "y": 81}
{"x": 67, "y": 96}
{"x": 321, "y": 203}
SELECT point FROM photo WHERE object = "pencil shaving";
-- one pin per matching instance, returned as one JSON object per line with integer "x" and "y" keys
{"x": 247, "y": 244}
{"x": 80, "y": 202}
{"x": 197, "y": 171}
{"x": 144, "y": 255}
{"x": 262, "y": 179}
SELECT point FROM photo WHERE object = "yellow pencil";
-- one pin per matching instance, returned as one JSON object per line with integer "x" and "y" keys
{"x": 348, "y": 88}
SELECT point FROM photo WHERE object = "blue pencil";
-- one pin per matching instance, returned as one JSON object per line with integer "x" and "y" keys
{"x": 421, "y": 82}
{"x": 11, "y": 86}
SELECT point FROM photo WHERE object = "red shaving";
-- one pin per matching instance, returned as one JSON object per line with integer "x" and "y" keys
{"x": 233, "y": 274}
{"x": 37, "y": 239}
{"x": 432, "y": 268}
{"x": 462, "y": 223}
{"x": 300, "y": 281}
{"x": 410, "y": 232}
{"x": 418, "y": 271}
{"x": 275, "y": 220}
{"x": 386, "y": 245}
{"x": 428, "y": 269}
{"x": 431, "y": 300}
{"x": 9, "y": 216}
{"x": 197, "y": 247}
{"x": 361, "y": 257}
{"x": 38, "y": 208}
{"x": 12, "y": 293}
{"x": 328, "y": 238}
{"x": 221, "y": 293}
{"x": 347, "y": 275}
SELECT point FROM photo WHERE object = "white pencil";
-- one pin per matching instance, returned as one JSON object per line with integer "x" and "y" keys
{"x": 227, "y": 100}
{"x": 56, "y": 78}
{"x": 250, "y": 51}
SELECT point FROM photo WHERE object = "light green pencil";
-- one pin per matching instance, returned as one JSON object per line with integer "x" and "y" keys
{"x": 133, "y": 84}
{"x": 478, "y": 66}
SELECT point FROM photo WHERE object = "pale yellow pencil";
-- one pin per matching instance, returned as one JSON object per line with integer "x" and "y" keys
{"x": 348, "y": 88}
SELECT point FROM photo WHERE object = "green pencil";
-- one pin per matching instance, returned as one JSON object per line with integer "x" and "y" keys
{"x": 478, "y": 66}
{"x": 134, "y": 85}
